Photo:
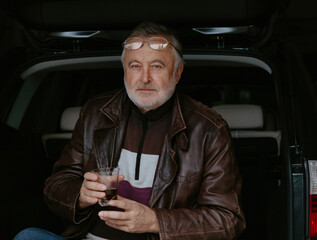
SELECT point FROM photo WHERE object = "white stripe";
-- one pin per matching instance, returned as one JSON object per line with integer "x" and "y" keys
{"x": 148, "y": 164}
{"x": 90, "y": 236}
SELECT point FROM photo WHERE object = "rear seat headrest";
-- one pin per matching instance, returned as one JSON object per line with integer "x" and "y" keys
{"x": 241, "y": 116}
{"x": 238, "y": 116}
{"x": 69, "y": 118}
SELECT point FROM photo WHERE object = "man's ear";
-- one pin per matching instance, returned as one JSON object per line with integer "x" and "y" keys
{"x": 179, "y": 72}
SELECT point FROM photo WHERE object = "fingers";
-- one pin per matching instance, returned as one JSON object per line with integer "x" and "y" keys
{"x": 117, "y": 225}
{"x": 135, "y": 218}
{"x": 91, "y": 176}
{"x": 121, "y": 178}
{"x": 94, "y": 186}
{"x": 91, "y": 190}
{"x": 118, "y": 220}
{"x": 86, "y": 201}
{"x": 113, "y": 215}
{"x": 122, "y": 203}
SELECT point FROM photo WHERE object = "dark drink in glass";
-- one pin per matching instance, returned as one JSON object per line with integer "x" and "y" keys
{"x": 110, "y": 178}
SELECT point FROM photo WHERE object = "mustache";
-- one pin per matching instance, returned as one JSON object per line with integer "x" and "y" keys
{"x": 146, "y": 86}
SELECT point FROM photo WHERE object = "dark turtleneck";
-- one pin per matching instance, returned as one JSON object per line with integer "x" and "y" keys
{"x": 158, "y": 116}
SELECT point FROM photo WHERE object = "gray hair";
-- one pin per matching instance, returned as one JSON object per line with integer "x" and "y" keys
{"x": 147, "y": 29}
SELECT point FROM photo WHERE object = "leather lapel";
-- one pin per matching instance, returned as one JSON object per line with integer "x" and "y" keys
{"x": 166, "y": 169}
{"x": 108, "y": 143}
{"x": 104, "y": 140}
{"x": 108, "y": 140}
{"x": 165, "y": 172}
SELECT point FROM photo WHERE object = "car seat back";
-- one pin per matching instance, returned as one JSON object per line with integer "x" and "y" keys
{"x": 54, "y": 143}
{"x": 257, "y": 153}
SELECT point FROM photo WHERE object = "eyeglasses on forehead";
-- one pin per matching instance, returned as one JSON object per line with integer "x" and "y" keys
{"x": 155, "y": 43}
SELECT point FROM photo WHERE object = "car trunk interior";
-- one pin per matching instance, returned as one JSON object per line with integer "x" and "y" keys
{"x": 223, "y": 70}
{"x": 47, "y": 91}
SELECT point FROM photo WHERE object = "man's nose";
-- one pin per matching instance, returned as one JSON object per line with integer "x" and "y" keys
{"x": 146, "y": 78}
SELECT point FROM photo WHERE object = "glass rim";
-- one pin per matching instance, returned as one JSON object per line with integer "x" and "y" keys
{"x": 105, "y": 169}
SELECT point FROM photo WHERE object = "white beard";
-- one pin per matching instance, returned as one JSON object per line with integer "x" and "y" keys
{"x": 150, "y": 101}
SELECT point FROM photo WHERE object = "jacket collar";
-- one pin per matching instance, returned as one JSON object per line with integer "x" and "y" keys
{"x": 178, "y": 125}
{"x": 117, "y": 109}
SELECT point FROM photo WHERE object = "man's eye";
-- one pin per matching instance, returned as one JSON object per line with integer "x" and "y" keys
{"x": 157, "y": 66}
{"x": 135, "y": 66}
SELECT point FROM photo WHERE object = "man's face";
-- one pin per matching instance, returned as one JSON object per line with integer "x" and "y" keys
{"x": 150, "y": 76}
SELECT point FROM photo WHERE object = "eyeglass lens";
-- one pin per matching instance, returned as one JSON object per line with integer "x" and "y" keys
{"x": 154, "y": 43}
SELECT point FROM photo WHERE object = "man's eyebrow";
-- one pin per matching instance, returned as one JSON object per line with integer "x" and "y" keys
{"x": 133, "y": 61}
{"x": 159, "y": 61}
{"x": 154, "y": 61}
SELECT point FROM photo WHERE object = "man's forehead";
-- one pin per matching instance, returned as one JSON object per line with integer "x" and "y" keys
{"x": 146, "y": 37}
{"x": 145, "y": 57}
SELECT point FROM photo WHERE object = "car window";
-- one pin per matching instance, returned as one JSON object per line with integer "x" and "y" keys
{"x": 61, "y": 89}
{"x": 44, "y": 96}
{"x": 23, "y": 99}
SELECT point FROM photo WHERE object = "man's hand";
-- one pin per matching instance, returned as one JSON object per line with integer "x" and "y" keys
{"x": 137, "y": 218}
{"x": 91, "y": 190}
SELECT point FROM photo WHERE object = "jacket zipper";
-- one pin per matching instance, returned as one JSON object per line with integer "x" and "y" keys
{"x": 141, "y": 143}
{"x": 112, "y": 163}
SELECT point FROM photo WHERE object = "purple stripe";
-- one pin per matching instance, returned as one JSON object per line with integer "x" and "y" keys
{"x": 141, "y": 195}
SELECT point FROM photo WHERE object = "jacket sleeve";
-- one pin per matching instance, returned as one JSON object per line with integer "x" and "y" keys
{"x": 62, "y": 188}
{"x": 217, "y": 213}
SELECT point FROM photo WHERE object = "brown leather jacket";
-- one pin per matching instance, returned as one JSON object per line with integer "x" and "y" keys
{"x": 196, "y": 186}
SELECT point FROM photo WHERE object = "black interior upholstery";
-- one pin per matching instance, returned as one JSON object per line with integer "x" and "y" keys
{"x": 54, "y": 147}
{"x": 258, "y": 161}
{"x": 23, "y": 173}
{"x": 120, "y": 14}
